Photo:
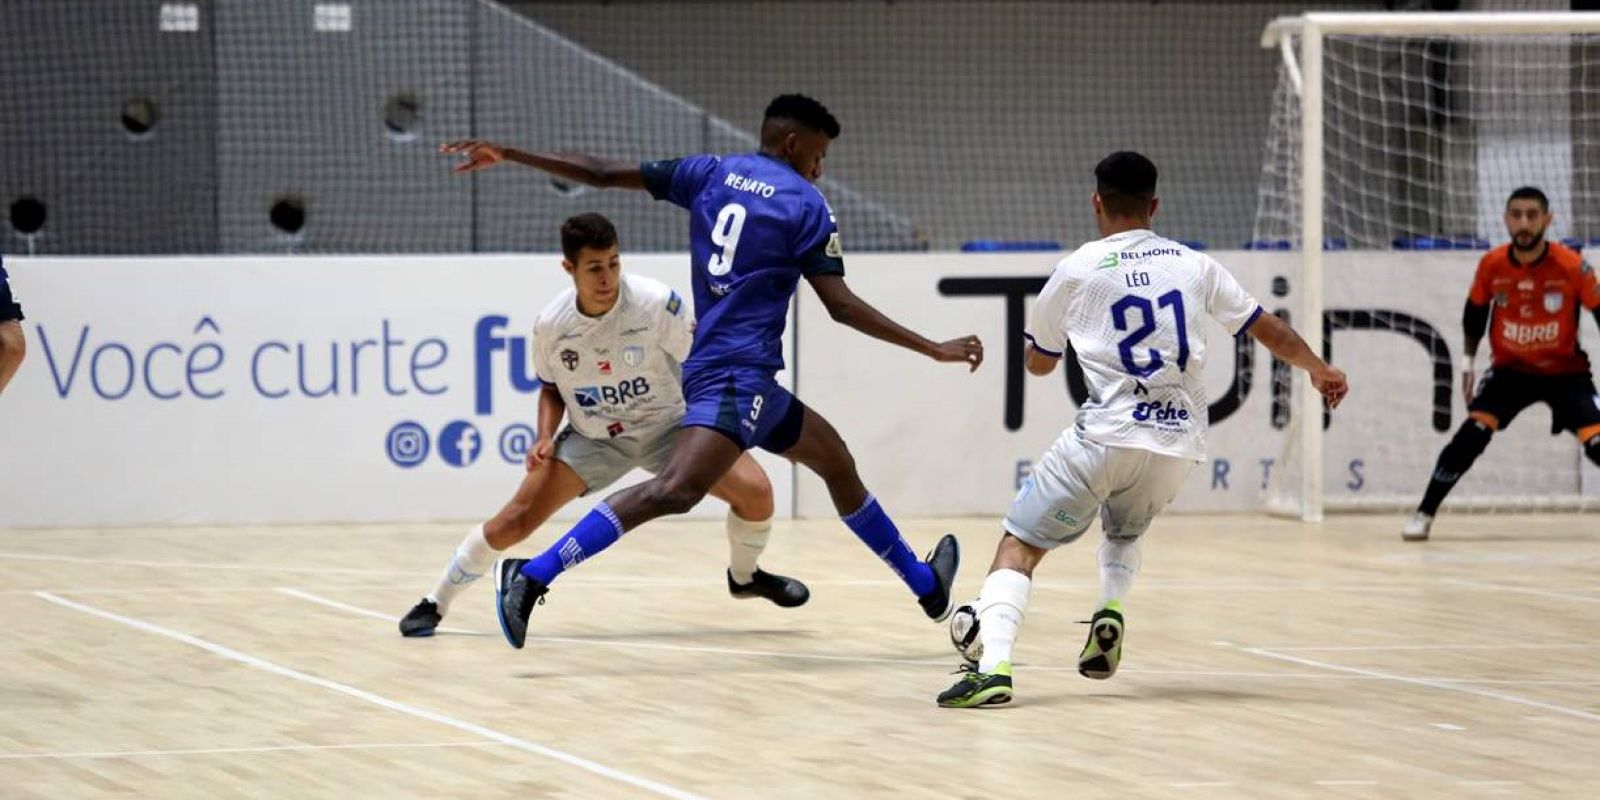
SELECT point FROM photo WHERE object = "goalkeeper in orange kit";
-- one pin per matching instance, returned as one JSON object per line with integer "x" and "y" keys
{"x": 1527, "y": 294}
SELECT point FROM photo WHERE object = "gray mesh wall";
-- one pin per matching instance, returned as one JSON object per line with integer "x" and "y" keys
{"x": 302, "y": 116}
{"x": 69, "y": 68}
{"x": 982, "y": 119}
{"x": 539, "y": 90}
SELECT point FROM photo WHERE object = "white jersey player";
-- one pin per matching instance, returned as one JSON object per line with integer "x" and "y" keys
{"x": 1133, "y": 305}
{"x": 607, "y": 352}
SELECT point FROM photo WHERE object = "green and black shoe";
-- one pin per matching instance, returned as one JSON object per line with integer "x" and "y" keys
{"x": 1103, "y": 651}
{"x": 979, "y": 688}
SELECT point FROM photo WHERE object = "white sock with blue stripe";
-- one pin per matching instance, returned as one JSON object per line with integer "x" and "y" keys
{"x": 473, "y": 558}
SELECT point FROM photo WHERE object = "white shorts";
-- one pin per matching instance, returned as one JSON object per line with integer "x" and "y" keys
{"x": 601, "y": 462}
{"x": 1076, "y": 478}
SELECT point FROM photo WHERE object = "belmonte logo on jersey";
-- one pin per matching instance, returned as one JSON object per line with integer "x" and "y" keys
{"x": 1110, "y": 261}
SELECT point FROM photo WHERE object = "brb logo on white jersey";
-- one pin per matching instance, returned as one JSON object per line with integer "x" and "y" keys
{"x": 596, "y": 396}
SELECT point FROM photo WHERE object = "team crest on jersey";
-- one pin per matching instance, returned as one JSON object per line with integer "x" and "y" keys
{"x": 1553, "y": 301}
{"x": 569, "y": 359}
{"x": 674, "y": 304}
{"x": 633, "y": 355}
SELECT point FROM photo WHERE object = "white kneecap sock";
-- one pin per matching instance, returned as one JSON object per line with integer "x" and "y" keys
{"x": 1000, "y": 606}
{"x": 746, "y": 541}
{"x": 473, "y": 557}
{"x": 1119, "y": 562}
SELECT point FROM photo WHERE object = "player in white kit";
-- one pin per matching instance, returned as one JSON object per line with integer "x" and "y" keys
{"x": 1133, "y": 305}
{"x": 608, "y": 352}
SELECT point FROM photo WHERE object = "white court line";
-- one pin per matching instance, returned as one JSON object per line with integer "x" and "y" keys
{"x": 288, "y": 748}
{"x": 122, "y": 562}
{"x": 1365, "y": 648}
{"x": 320, "y": 600}
{"x": 1445, "y": 726}
{"x": 1445, "y": 684}
{"x": 367, "y": 612}
{"x": 1496, "y": 587}
{"x": 624, "y": 580}
{"x": 382, "y": 702}
{"x": 681, "y": 648}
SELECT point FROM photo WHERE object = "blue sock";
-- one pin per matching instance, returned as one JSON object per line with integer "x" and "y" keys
{"x": 598, "y": 530}
{"x": 877, "y": 531}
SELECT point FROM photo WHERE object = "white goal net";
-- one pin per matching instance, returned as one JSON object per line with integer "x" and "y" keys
{"x": 1426, "y": 123}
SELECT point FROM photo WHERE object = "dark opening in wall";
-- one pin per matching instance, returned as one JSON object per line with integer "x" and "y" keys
{"x": 401, "y": 115}
{"x": 288, "y": 214}
{"x": 27, "y": 215}
{"x": 139, "y": 116}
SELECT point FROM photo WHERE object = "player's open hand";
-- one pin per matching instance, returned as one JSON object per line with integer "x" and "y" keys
{"x": 479, "y": 154}
{"x": 539, "y": 454}
{"x": 967, "y": 348}
{"x": 1330, "y": 382}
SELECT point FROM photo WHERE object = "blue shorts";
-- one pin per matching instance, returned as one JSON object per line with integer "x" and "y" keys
{"x": 746, "y": 404}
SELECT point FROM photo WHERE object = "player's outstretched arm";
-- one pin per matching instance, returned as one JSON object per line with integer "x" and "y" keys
{"x": 1039, "y": 362}
{"x": 576, "y": 167}
{"x": 13, "y": 346}
{"x": 1287, "y": 345}
{"x": 848, "y": 309}
{"x": 551, "y": 409}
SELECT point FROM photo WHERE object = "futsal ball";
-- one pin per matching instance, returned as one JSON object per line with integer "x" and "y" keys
{"x": 964, "y": 633}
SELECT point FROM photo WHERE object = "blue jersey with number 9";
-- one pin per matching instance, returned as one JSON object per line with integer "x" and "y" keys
{"x": 755, "y": 227}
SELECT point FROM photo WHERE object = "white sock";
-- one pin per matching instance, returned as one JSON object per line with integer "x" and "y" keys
{"x": 473, "y": 557}
{"x": 1119, "y": 561}
{"x": 1000, "y": 607}
{"x": 746, "y": 541}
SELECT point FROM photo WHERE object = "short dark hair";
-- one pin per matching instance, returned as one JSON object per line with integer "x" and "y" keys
{"x": 586, "y": 230}
{"x": 1529, "y": 193}
{"x": 1126, "y": 182}
{"x": 803, "y": 111}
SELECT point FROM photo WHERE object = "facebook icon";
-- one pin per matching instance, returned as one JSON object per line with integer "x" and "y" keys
{"x": 459, "y": 444}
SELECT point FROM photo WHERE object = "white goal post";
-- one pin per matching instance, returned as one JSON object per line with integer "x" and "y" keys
{"x": 1305, "y": 73}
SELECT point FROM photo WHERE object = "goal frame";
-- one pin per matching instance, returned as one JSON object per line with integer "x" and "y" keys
{"x": 1306, "y": 76}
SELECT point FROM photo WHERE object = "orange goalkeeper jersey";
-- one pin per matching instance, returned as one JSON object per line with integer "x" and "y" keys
{"x": 1534, "y": 326}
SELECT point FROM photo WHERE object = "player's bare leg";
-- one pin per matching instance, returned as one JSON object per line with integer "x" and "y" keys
{"x": 699, "y": 458}
{"x": 541, "y": 494}
{"x": 821, "y": 450}
{"x": 748, "y": 493}
{"x": 13, "y": 347}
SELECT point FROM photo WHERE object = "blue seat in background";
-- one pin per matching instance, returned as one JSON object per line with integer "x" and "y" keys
{"x": 1440, "y": 243}
{"x": 1577, "y": 243}
{"x": 1335, "y": 243}
{"x": 1001, "y": 246}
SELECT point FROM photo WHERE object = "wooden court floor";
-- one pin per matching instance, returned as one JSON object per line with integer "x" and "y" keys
{"x": 1266, "y": 659}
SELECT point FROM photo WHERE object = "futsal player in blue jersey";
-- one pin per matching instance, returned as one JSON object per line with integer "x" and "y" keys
{"x": 757, "y": 226}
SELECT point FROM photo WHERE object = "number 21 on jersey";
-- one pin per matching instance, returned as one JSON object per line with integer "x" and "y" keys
{"x": 725, "y": 235}
{"x": 1120, "y": 317}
